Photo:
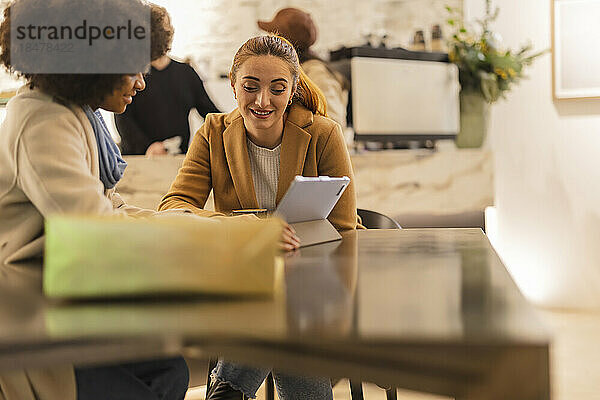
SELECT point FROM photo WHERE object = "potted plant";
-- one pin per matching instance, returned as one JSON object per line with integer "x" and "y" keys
{"x": 486, "y": 71}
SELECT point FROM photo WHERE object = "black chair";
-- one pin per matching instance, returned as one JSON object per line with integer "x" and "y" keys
{"x": 269, "y": 385}
{"x": 373, "y": 220}
{"x": 370, "y": 220}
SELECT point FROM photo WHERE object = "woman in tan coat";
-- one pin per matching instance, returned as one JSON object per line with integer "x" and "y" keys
{"x": 250, "y": 156}
{"x": 57, "y": 157}
{"x": 279, "y": 130}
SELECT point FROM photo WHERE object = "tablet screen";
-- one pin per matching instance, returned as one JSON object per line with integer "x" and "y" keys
{"x": 311, "y": 198}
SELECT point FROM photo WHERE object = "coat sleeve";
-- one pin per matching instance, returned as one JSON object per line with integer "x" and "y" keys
{"x": 334, "y": 160}
{"x": 193, "y": 182}
{"x": 132, "y": 211}
{"x": 53, "y": 170}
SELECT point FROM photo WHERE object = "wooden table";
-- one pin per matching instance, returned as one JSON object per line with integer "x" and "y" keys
{"x": 432, "y": 310}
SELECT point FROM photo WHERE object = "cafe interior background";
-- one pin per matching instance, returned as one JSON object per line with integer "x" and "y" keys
{"x": 536, "y": 178}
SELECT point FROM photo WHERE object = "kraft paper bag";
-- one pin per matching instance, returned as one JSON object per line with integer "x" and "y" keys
{"x": 87, "y": 257}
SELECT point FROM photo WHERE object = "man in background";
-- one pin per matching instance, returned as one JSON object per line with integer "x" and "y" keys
{"x": 157, "y": 121}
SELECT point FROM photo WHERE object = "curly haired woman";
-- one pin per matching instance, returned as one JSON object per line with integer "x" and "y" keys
{"x": 57, "y": 157}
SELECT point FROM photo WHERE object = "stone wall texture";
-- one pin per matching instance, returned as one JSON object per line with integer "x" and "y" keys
{"x": 208, "y": 32}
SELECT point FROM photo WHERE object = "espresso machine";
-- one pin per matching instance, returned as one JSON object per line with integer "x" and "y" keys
{"x": 398, "y": 95}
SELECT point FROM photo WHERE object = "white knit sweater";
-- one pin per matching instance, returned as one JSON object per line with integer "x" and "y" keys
{"x": 265, "y": 173}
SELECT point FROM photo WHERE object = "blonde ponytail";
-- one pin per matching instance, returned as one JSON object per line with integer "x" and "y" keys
{"x": 310, "y": 95}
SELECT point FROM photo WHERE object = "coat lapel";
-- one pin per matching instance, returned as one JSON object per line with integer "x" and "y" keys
{"x": 294, "y": 146}
{"x": 236, "y": 152}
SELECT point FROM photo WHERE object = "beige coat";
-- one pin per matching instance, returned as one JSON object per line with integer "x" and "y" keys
{"x": 218, "y": 159}
{"x": 48, "y": 165}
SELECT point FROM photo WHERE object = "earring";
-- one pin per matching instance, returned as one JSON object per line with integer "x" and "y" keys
{"x": 290, "y": 102}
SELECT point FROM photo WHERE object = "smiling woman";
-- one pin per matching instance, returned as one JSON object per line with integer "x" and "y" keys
{"x": 249, "y": 157}
{"x": 280, "y": 129}
{"x": 263, "y": 92}
{"x": 122, "y": 95}
{"x": 57, "y": 157}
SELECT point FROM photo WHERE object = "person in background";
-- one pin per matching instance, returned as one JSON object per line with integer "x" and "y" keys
{"x": 57, "y": 157}
{"x": 298, "y": 27}
{"x": 161, "y": 112}
{"x": 249, "y": 158}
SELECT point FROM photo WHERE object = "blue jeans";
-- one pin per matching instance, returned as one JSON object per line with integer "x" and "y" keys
{"x": 248, "y": 379}
{"x": 162, "y": 379}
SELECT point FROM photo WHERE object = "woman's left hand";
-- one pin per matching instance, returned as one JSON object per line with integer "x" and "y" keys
{"x": 289, "y": 240}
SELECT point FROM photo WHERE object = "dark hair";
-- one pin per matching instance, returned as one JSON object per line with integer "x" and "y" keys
{"x": 306, "y": 93}
{"x": 84, "y": 88}
{"x": 161, "y": 36}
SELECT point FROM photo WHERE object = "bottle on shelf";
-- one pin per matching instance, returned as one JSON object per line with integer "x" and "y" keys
{"x": 437, "y": 39}
{"x": 418, "y": 42}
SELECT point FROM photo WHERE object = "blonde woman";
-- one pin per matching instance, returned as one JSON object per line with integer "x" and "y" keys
{"x": 249, "y": 158}
{"x": 57, "y": 157}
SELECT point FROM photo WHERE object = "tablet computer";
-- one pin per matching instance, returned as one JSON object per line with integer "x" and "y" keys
{"x": 311, "y": 198}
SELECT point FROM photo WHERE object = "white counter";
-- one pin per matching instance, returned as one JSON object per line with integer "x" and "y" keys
{"x": 414, "y": 186}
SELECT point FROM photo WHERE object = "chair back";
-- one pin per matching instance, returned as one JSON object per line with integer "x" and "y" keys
{"x": 374, "y": 220}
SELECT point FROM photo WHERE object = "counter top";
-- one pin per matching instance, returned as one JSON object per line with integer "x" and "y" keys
{"x": 412, "y": 186}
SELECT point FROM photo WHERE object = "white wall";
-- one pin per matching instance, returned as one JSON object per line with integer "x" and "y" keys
{"x": 547, "y": 173}
{"x": 210, "y": 31}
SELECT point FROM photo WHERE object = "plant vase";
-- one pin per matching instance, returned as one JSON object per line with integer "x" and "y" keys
{"x": 474, "y": 118}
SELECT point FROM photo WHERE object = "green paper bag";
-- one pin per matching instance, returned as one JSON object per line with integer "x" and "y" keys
{"x": 87, "y": 257}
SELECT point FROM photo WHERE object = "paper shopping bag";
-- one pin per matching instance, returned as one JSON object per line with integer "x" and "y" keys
{"x": 88, "y": 257}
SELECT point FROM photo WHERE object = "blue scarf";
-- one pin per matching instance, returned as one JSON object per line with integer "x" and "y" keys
{"x": 112, "y": 165}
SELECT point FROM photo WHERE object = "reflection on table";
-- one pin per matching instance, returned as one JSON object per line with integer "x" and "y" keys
{"x": 432, "y": 310}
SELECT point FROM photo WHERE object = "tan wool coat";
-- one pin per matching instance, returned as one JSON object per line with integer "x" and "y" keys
{"x": 218, "y": 159}
{"x": 48, "y": 165}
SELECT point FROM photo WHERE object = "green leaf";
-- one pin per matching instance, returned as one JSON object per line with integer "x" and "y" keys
{"x": 482, "y": 66}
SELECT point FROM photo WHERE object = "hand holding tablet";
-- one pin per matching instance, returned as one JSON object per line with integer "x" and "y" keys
{"x": 307, "y": 204}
